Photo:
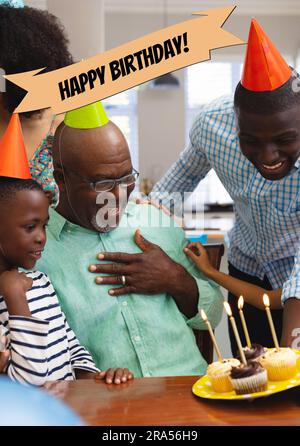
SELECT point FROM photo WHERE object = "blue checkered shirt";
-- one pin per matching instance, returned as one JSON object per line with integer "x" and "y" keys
{"x": 264, "y": 239}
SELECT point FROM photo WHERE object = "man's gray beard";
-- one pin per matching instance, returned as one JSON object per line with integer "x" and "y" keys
{"x": 99, "y": 228}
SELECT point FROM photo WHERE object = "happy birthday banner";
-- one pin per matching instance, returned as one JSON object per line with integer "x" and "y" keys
{"x": 126, "y": 66}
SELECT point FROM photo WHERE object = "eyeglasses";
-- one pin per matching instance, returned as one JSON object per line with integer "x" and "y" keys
{"x": 109, "y": 184}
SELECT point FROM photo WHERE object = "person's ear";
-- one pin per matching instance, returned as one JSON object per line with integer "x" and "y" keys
{"x": 50, "y": 195}
{"x": 59, "y": 178}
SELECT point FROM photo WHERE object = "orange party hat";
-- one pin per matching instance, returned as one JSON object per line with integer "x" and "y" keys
{"x": 13, "y": 158}
{"x": 264, "y": 67}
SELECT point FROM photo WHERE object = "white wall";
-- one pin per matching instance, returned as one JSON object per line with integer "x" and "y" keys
{"x": 161, "y": 124}
{"x": 84, "y": 25}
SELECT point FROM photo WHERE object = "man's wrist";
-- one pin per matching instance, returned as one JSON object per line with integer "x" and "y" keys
{"x": 182, "y": 284}
{"x": 175, "y": 279}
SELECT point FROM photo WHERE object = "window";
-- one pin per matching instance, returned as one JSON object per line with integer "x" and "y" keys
{"x": 216, "y": 79}
{"x": 121, "y": 109}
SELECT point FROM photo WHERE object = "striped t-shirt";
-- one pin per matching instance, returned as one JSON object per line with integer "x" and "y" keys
{"x": 42, "y": 347}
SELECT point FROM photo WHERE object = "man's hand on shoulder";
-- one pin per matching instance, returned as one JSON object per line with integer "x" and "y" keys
{"x": 161, "y": 207}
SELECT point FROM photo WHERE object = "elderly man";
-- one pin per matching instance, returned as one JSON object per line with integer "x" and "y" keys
{"x": 146, "y": 306}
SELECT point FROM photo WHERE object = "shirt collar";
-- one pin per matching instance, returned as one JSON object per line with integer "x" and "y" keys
{"x": 58, "y": 223}
{"x": 297, "y": 163}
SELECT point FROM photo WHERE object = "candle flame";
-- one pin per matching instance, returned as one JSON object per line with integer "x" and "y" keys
{"x": 266, "y": 300}
{"x": 203, "y": 315}
{"x": 241, "y": 302}
{"x": 228, "y": 309}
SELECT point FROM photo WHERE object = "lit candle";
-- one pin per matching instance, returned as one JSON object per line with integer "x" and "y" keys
{"x": 204, "y": 317}
{"x": 235, "y": 331}
{"x": 241, "y": 305}
{"x": 268, "y": 311}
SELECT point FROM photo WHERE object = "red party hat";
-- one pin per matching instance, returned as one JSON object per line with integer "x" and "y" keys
{"x": 264, "y": 67}
{"x": 13, "y": 157}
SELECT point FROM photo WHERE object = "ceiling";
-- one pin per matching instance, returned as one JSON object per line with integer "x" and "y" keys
{"x": 244, "y": 7}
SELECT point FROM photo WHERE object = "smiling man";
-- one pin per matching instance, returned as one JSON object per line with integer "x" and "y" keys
{"x": 253, "y": 144}
{"x": 136, "y": 303}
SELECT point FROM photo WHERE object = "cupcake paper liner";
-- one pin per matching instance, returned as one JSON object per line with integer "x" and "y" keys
{"x": 221, "y": 383}
{"x": 251, "y": 384}
{"x": 279, "y": 369}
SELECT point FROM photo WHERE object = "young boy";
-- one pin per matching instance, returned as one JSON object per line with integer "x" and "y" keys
{"x": 41, "y": 345}
{"x": 252, "y": 294}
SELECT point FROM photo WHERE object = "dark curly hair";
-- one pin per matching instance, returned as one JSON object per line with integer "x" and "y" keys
{"x": 29, "y": 39}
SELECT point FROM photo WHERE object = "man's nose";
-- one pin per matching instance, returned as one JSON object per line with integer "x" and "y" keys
{"x": 269, "y": 154}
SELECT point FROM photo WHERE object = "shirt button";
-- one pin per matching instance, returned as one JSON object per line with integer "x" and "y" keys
{"x": 137, "y": 338}
{"x": 125, "y": 303}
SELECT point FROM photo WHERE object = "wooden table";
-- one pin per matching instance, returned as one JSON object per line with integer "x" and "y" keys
{"x": 169, "y": 401}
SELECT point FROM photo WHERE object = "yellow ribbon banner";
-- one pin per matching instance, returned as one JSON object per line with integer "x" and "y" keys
{"x": 126, "y": 66}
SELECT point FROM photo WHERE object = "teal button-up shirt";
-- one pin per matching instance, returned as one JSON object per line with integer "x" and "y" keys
{"x": 146, "y": 333}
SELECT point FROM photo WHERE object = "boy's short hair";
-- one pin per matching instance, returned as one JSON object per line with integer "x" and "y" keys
{"x": 10, "y": 186}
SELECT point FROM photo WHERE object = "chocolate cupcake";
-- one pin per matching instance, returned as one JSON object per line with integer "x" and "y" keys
{"x": 253, "y": 353}
{"x": 249, "y": 378}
